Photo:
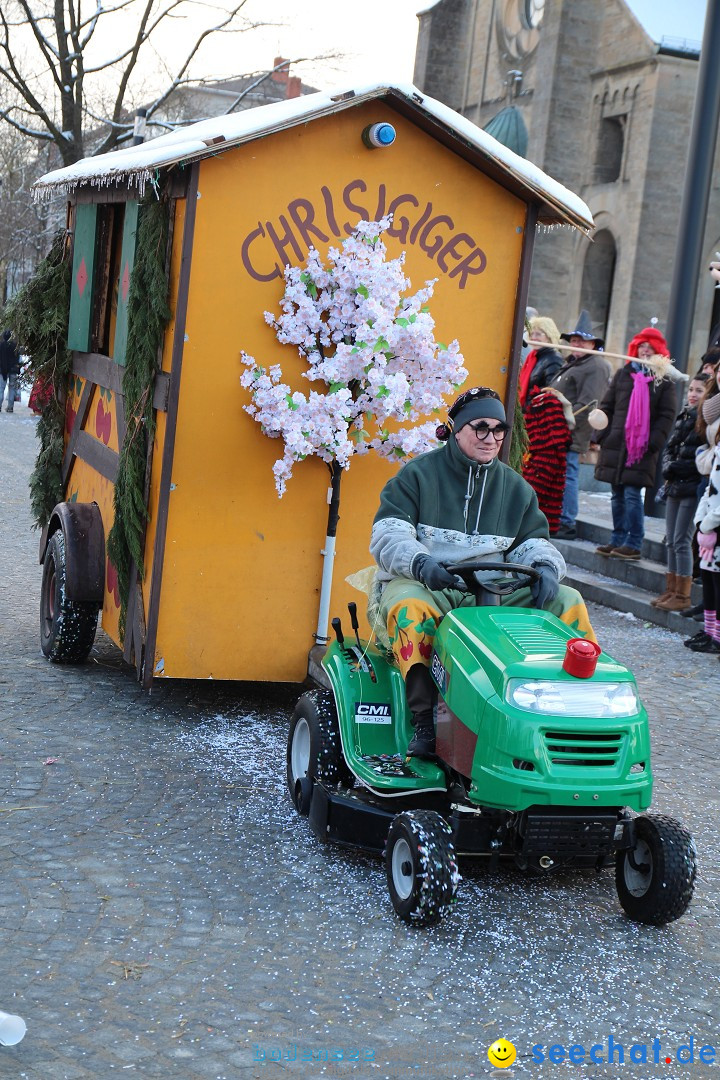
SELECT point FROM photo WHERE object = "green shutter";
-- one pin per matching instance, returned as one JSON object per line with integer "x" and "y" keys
{"x": 127, "y": 259}
{"x": 83, "y": 277}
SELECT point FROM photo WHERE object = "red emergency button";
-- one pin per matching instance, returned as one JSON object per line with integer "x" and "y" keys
{"x": 581, "y": 657}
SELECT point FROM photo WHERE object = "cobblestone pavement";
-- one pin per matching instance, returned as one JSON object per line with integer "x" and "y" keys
{"x": 164, "y": 911}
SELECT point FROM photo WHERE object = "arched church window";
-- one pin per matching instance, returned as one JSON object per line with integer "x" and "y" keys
{"x": 597, "y": 279}
{"x": 609, "y": 152}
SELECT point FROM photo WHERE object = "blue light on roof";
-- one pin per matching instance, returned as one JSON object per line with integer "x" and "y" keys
{"x": 379, "y": 135}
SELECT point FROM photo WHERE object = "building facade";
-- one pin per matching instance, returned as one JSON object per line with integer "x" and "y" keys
{"x": 608, "y": 113}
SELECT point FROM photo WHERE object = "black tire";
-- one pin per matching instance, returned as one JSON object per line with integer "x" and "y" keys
{"x": 422, "y": 871}
{"x": 661, "y": 888}
{"x": 67, "y": 628}
{"x": 314, "y": 749}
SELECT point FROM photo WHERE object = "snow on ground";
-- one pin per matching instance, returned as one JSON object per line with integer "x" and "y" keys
{"x": 542, "y": 954}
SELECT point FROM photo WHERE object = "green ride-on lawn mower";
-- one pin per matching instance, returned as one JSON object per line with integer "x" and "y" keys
{"x": 543, "y": 758}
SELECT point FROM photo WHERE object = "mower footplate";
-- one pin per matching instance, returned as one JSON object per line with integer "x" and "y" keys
{"x": 374, "y": 722}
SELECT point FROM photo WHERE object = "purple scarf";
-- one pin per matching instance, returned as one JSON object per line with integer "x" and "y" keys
{"x": 637, "y": 422}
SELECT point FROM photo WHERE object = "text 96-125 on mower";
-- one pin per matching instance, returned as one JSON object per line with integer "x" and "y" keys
{"x": 533, "y": 764}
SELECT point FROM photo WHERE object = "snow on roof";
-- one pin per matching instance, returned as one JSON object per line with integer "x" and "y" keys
{"x": 137, "y": 165}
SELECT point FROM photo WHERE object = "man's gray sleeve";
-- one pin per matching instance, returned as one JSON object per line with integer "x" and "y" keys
{"x": 394, "y": 546}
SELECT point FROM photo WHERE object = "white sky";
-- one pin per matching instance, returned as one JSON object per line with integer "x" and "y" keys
{"x": 671, "y": 18}
{"x": 377, "y": 38}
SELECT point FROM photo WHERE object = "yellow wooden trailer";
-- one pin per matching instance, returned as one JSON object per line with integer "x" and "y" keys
{"x": 231, "y": 574}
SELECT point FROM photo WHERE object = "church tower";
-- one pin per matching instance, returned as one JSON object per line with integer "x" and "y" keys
{"x": 607, "y": 112}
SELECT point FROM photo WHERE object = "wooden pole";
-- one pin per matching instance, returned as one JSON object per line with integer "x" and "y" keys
{"x": 593, "y": 352}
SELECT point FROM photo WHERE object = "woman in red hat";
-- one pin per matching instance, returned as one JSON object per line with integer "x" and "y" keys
{"x": 639, "y": 408}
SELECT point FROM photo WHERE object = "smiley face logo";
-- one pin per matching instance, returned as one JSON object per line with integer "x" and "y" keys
{"x": 502, "y": 1053}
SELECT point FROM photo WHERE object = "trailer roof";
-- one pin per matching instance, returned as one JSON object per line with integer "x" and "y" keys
{"x": 136, "y": 166}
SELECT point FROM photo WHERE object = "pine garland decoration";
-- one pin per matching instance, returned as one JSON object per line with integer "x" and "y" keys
{"x": 520, "y": 442}
{"x": 148, "y": 314}
{"x": 38, "y": 316}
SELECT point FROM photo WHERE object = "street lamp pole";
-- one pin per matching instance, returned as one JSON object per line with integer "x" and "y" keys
{"x": 693, "y": 212}
{"x": 696, "y": 193}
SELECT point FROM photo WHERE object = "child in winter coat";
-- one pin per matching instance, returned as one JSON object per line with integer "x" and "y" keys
{"x": 708, "y": 422}
{"x": 681, "y": 485}
{"x": 707, "y": 518}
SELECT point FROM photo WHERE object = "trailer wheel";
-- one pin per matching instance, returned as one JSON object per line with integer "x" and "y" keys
{"x": 314, "y": 750}
{"x": 422, "y": 872}
{"x": 67, "y": 627}
{"x": 655, "y": 879}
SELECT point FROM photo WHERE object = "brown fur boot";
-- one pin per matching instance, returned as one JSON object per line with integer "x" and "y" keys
{"x": 680, "y": 601}
{"x": 669, "y": 591}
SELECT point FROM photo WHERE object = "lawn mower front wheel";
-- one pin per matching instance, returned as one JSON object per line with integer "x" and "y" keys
{"x": 655, "y": 879}
{"x": 422, "y": 872}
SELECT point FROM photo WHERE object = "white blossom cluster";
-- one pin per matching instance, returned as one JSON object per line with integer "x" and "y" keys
{"x": 372, "y": 348}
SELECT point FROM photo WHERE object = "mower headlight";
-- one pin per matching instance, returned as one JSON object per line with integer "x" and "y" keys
{"x": 584, "y": 698}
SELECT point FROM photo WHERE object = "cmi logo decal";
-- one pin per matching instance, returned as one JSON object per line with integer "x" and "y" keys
{"x": 368, "y": 713}
{"x": 439, "y": 673}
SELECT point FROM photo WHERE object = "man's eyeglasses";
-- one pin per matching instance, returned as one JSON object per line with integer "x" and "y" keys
{"x": 483, "y": 430}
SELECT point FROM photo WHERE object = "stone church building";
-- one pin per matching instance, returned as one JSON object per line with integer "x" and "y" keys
{"x": 595, "y": 101}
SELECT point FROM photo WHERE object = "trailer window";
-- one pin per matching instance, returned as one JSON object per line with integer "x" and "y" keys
{"x": 103, "y": 255}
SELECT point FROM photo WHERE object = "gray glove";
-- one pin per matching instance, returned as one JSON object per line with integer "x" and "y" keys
{"x": 429, "y": 572}
{"x": 545, "y": 589}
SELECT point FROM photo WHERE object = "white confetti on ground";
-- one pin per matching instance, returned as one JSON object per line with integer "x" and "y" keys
{"x": 533, "y": 959}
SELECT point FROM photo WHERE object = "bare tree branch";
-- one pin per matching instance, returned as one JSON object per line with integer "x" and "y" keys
{"x": 66, "y": 94}
{"x": 53, "y": 78}
{"x": 193, "y": 51}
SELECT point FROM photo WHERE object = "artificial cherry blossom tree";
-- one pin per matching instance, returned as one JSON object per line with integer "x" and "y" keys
{"x": 373, "y": 353}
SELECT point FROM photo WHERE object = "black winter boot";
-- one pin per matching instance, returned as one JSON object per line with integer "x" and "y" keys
{"x": 421, "y": 697}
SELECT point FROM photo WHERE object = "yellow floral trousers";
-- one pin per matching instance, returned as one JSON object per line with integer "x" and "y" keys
{"x": 412, "y": 614}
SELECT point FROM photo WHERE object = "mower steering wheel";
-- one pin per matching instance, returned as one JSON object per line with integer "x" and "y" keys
{"x": 521, "y": 576}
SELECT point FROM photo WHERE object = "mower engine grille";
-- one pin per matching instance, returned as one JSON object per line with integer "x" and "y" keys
{"x": 584, "y": 748}
{"x": 568, "y": 835}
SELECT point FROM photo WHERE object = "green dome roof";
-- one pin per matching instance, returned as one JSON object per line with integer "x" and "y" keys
{"x": 508, "y": 127}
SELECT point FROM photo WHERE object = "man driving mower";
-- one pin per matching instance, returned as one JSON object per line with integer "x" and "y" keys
{"x": 454, "y": 503}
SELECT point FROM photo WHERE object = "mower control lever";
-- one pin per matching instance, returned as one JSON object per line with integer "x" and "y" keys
{"x": 352, "y": 608}
{"x": 337, "y": 627}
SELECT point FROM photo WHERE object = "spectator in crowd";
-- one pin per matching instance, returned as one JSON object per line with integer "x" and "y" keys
{"x": 708, "y": 423}
{"x": 709, "y": 362}
{"x": 714, "y": 338}
{"x": 543, "y": 362}
{"x": 583, "y": 380}
{"x": 638, "y": 411}
{"x": 9, "y": 369}
{"x": 707, "y": 519}
{"x": 681, "y": 488}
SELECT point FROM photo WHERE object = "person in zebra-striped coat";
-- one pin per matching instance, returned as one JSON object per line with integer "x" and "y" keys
{"x": 549, "y": 422}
